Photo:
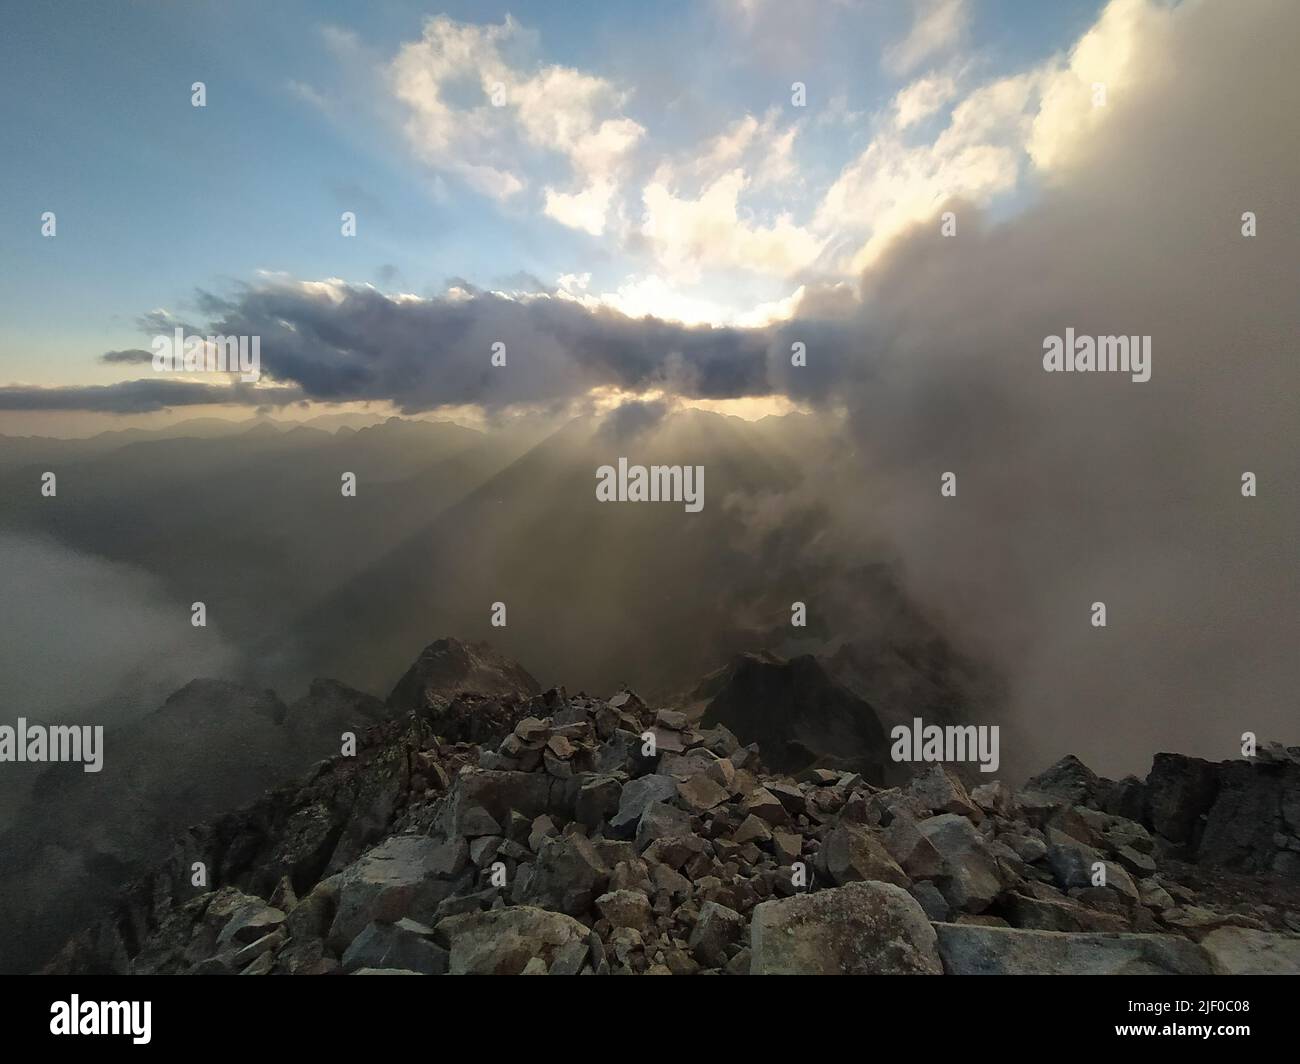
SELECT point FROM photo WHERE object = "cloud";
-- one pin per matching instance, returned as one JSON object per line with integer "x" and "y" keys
{"x": 922, "y": 98}
{"x": 130, "y": 356}
{"x": 141, "y": 396}
{"x": 475, "y": 114}
{"x": 937, "y": 25}
{"x": 1080, "y": 489}
{"x": 332, "y": 341}
{"x": 690, "y": 235}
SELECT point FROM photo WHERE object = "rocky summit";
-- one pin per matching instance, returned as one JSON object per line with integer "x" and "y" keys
{"x": 522, "y": 833}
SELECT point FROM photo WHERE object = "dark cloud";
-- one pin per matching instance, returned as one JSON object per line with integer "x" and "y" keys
{"x": 342, "y": 342}
{"x": 142, "y": 396}
{"x": 131, "y": 356}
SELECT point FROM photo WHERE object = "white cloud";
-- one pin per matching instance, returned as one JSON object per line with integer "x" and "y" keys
{"x": 922, "y": 98}
{"x": 1039, "y": 121}
{"x": 937, "y": 26}
{"x": 689, "y": 234}
{"x": 473, "y": 114}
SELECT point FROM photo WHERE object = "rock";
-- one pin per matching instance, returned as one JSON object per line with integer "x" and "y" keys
{"x": 1044, "y": 914}
{"x": 968, "y": 875}
{"x": 672, "y": 719}
{"x": 1070, "y": 779}
{"x": 405, "y": 944}
{"x": 851, "y": 853}
{"x": 857, "y": 929}
{"x": 567, "y": 877}
{"x": 940, "y": 791}
{"x": 598, "y": 800}
{"x": 1154, "y": 896}
{"x": 1140, "y": 864}
{"x": 249, "y": 922}
{"x": 752, "y": 829}
{"x": 1244, "y": 951}
{"x": 503, "y": 941}
{"x": 264, "y": 945}
{"x": 661, "y": 821}
{"x": 1027, "y": 847}
{"x": 636, "y": 796}
{"x": 969, "y": 949}
{"x": 915, "y": 853}
{"x": 699, "y": 793}
{"x": 786, "y": 847}
{"x": 1180, "y": 791}
{"x": 1256, "y": 811}
{"x": 790, "y": 796}
{"x": 717, "y": 928}
{"x": 498, "y": 793}
{"x": 931, "y": 900}
{"x": 627, "y": 908}
{"x": 767, "y": 807}
{"x": 393, "y": 880}
{"x": 542, "y": 828}
{"x": 1074, "y": 865}
{"x": 261, "y": 966}
{"x": 448, "y": 666}
{"x": 995, "y": 797}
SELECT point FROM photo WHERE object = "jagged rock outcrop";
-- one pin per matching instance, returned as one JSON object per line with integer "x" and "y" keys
{"x": 799, "y": 716}
{"x": 589, "y": 836}
{"x": 1238, "y": 815}
{"x": 449, "y": 667}
{"x": 211, "y": 746}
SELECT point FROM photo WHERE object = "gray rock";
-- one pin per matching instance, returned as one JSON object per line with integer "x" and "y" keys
{"x": 858, "y": 929}
{"x": 851, "y": 853}
{"x": 1244, "y": 951}
{"x": 968, "y": 877}
{"x": 397, "y": 878}
{"x": 939, "y": 790}
{"x": 249, "y": 922}
{"x": 931, "y": 899}
{"x": 567, "y": 876}
{"x": 1180, "y": 791}
{"x": 639, "y": 794}
{"x": 716, "y": 929}
{"x": 970, "y": 949}
{"x": 406, "y": 945}
{"x": 915, "y": 853}
{"x": 661, "y": 821}
{"x": 503, "y": 941}
{"x": 627, "y": 908}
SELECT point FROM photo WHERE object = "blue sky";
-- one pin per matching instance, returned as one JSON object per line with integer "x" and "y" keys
{"x": 156, "y": 198}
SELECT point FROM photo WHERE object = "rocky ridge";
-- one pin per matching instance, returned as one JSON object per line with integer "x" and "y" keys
{"x": 542, "y": 834}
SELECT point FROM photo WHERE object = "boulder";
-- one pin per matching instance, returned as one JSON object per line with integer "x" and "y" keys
{"x": 406, "y": 944}
{"x": 857, "y": 929}
{"x": 636, "y": 796}
{"x": 851, "y": 853}
{"x": 968, "y": 876}
{"x": 970, "y": 949}
{"x": 503, "y": 941}
{"x": 395, "y": 879}
{"x": 1245, "y": 951}
{"x": 717, "y": 928}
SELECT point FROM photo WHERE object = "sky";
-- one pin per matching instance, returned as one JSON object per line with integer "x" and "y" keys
{"x": 653, "y": 159}
{"x": 649, "y": 217}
